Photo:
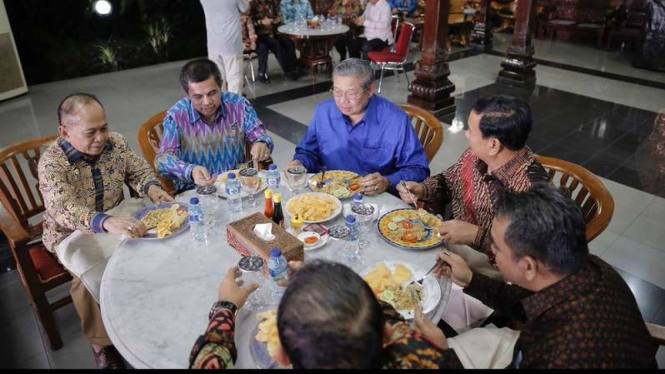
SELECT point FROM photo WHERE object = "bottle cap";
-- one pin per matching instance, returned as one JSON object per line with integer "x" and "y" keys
{"x": 232, "y": 176}
{"x": 350, "y": 218}
{"x": 357, "y": 197}
{"x": 275, "y": 252}
{"x": 194, "y": 200}
{"x": 272, "y": 167}
{"x": 277, "y": 197}
{"x": 268, "y": 193}
{"x": 297, "y": 221}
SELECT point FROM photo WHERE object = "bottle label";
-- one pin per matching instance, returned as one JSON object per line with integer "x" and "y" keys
{"x": 194, "y": 218}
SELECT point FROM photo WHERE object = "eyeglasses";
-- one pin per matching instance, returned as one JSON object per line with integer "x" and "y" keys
{"x": 353, "y": 96}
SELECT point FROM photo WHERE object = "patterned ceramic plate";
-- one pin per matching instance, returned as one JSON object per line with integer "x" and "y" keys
{"x": 335, "y": 183}
{"x": 392, "y": 228}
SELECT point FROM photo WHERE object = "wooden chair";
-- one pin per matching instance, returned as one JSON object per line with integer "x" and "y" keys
{"x": 150, "y": 136}
{"x": 657, "y": 333}
{"x": 587, "y": 190}
{"x": 22, "y": 201}
{"x": 428, "y": 129}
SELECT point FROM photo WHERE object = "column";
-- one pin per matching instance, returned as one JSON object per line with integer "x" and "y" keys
{"x": 431, "y": 90}
{"x": 518, "y": 67}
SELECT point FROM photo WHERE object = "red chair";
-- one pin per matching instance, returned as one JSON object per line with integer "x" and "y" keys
{"x": 389, "y": 60}
{"x": 394, "y": 24}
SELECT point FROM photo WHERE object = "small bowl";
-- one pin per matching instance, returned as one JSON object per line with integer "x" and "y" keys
{"x": 309, "y": 238}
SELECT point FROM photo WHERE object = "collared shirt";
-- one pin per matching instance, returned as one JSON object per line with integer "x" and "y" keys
{"x": 293, "y": 10}
{"x": 77, "y": 190}
{"x": 223, "y": 26}
{"x": 405, "y": 348}
{"x": 473, "y": 191}
{"x": 383, "y": 142}
{"x": 589, "y": 319}
{"x": 348, "y": 9}
{"x": 408, "y": 6}
{"x": 262, "y": 9}
{"x": 188, "y": 141}
{"x": 378, "y": 18}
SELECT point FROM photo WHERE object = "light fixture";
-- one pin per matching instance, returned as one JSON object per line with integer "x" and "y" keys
{"x": 103, "y": 7}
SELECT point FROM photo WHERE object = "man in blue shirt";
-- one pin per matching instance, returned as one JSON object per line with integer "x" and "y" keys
{"x": 404, "y": 8}
{"x": 362, "y": 132}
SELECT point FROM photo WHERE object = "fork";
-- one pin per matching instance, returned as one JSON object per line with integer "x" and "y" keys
{"x": 322, "y": 183}
{"x": 413, "y": 198}
{"x": 438, "y": 263}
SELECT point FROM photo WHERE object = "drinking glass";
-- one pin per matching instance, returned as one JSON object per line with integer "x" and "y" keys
{"x": 251, "y": 268}
{"x": 364, "y": 218}
{"x": 297, "y": 178}
{"x": 210, "y": 203}
{"x": 250, "y": 182}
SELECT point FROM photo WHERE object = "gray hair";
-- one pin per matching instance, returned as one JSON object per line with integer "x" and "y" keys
{"x": 355, "y": 67}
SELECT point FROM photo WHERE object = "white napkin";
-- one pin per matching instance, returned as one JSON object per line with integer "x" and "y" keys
{"x": 485, "y": 347}
{"x": 264, "y": 231}
{"x": 87, "y": 255}
{"x": 464, "y": 312}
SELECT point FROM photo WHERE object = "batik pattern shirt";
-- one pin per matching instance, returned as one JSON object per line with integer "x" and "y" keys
{"x": 588, "y": 320}
{"x": 262, "y": 9}
{"x": 473, "y": 191}
{"x": 406, "y": 348}
{"x": 189, "y": 141}
{"x": 294, "y": 10}
{"x": 348, "y": 9}
{"x": 77, "y": 190}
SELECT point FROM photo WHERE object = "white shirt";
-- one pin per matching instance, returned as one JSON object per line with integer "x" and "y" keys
{"x": 223, "y": 25}
{"x": 377, "y": 21}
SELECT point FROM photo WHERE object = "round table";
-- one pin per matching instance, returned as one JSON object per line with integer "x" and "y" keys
{"x": 314, "y": 44}
{"x": 156, "y": 294}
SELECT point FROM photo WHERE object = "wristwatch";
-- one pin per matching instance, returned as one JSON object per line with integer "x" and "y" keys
{"x": 222, "y": 305}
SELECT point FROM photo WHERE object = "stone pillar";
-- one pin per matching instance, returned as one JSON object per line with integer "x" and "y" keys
{"x": 431, "y": 90}
{"x": 518, "y": 67}
{"x": 481, "y": 37}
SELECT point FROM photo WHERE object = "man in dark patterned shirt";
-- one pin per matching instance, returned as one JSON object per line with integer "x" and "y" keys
{"x": 498, "y": 159}
{"x": 576, "y": 310}
{"x": 266, "y": 18}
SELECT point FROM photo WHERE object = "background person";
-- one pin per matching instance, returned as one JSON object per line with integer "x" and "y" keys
{"x": 378, "y": 33}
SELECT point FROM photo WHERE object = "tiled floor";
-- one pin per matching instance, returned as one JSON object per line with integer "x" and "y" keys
{"x": 595, "y": 121}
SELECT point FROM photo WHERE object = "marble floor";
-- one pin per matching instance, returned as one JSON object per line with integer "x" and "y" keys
{"x": 588, "y": 119}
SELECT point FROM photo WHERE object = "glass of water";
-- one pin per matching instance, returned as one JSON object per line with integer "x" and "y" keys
{"x": 364, "y": 219}
{"x": 297, "y": 178}
{"x": 250, "y": 182}
{"x": 251, "y": 268}
{"x": 210, "y": 204}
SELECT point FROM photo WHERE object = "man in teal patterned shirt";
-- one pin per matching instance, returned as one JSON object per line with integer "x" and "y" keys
{"x": 294, "y": 10}
{"x": 206, "y": 133}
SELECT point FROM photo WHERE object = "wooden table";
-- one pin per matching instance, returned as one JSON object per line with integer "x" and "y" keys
{"x": 314, "y": 44}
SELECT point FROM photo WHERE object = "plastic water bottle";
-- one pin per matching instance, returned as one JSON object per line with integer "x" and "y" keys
{"x": 279, "y": 269}
{"x": 197, "y": 224}
{"x": 351, "y": 224}
{"x": 273, "y": 178}
{"x": 233, "y": 194}
{"x": 358, "y": 199}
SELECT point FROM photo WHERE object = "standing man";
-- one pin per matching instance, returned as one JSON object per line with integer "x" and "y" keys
{"x": 225, "y": 45}
{"x": 81, "y": 176}
{"x": 207, "y": 132}
{"x": 378, "y": 34}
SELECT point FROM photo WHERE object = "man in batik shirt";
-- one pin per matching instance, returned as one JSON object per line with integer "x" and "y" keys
{"x": 266, "y": 18}
{"x": 81, "y": 177}
{"x": 296, "y": 10}
{"x": 205, "y": 133}
{"x": 497, "y": 160}
{"x": 349, "y": 10}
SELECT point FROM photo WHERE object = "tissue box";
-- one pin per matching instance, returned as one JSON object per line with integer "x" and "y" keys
{"x": 240, "y": 235}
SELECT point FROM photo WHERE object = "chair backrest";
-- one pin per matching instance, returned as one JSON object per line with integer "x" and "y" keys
{"x": 405, "y": 35}
{"x": 394, "y": 25}
{"x": 586, "y": 189}
{"x": 428, "y": 129}
{"x": 150, "y": 137}
{"x": 19, "y": 180}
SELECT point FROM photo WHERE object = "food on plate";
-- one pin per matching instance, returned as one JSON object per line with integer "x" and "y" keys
{"x": 409, "y": 227}
{"x": 267, "y": 331}
{"x": 225, "y": 176}
{"x": 336, "y": 183}
{"x": 165, "y": 220}
{"x": 393, "y": 287}
{"x": 311, "y": 240}
{"x": 312, "y": 208}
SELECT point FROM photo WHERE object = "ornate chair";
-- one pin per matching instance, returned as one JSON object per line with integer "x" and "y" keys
{"x": 586, "y": 189}
{"x": 505, "y": 10}
{"x": 428, "y": 129}
{"x": 150, "y": 136}
{"x": 388, "y": 60}
{"x": 22, "y": 202}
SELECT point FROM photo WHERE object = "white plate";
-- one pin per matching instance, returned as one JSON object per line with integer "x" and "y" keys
{"x": 431, "y": 287}
{"x": 321, "y": 195}
{"x": 322, "y": 241}
{"x": 221, "y": 186}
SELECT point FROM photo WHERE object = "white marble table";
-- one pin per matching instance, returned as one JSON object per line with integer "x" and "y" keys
{"x": 306, "y": 32}
{"x": 155, "y": 295}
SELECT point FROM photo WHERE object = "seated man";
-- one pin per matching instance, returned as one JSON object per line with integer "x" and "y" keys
{"x": 362, "y": 132}
{"x": 577, "y": 311}
{"x": 378, "y": 33}
{"x": 498, "y": 159}
{"x": 296, "y": 10}
{"x": 348, "y": 11}
{"x": 206, "y": 132}
{"x": 266, "y": 18}
{"x": 81, "y": 176}
{"x": 328, "y": 318}
{"x": 403, "y": 8}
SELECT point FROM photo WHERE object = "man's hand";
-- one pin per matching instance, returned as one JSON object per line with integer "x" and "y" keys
{"x": 293, "y": 164}
{"x": 360, "y": 21}
{"x": 202, "y": 178}
{"x": 294, "y": 266}
{"x": 417, "y": 189}
{"x": 426, "y": 327}
{"x": 395, "y": 11}
{"x": 157, "y": 195}
{"x": 266, "y": 21}
{"x": 260, "y": 151}
{"x": 129, "y": 226}
{"x": 457, "y": 270}
{"x": 374, "y": 184}
{"x": 458, "y": 232}
{"x": 231, "y": 290}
